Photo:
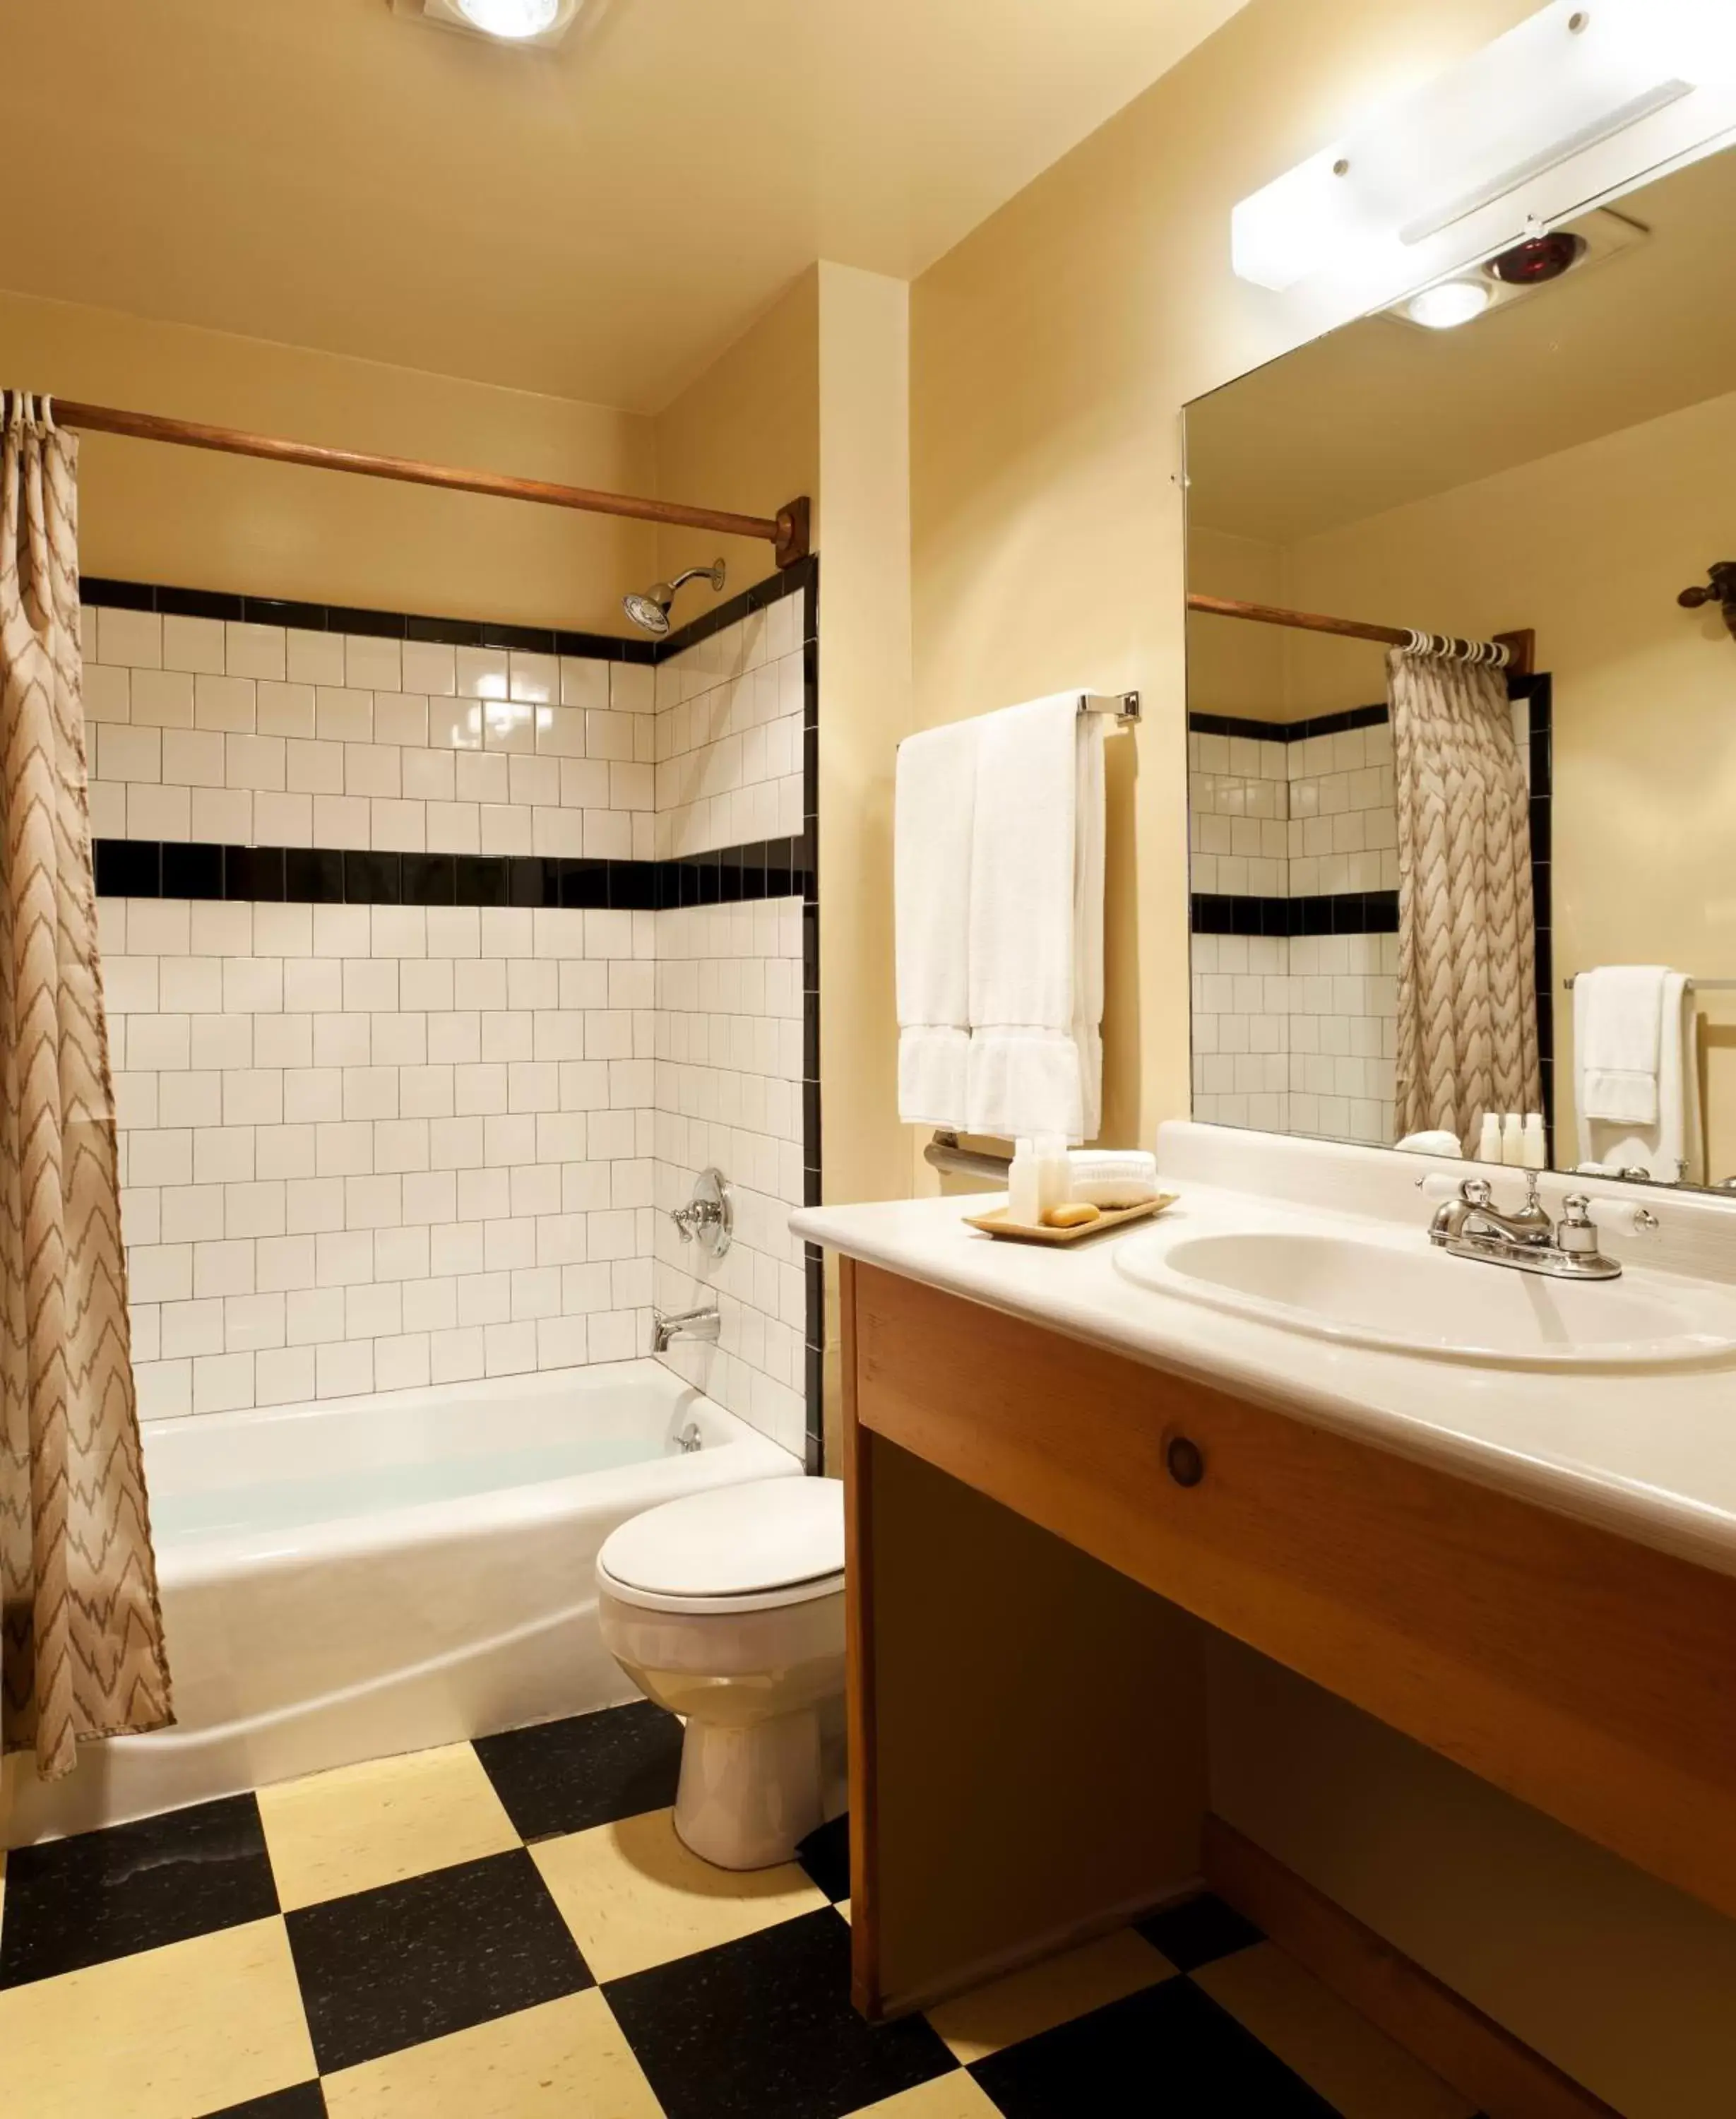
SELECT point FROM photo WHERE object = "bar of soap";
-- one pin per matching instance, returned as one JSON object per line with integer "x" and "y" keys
{"x": 1077, "y": 1214}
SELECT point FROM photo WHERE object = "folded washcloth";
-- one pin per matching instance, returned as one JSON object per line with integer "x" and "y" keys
{"x": 1035, "y": 1062}
{"x": 1618, "y": 1039}
{"x": 934, "y": 804}
{"x": 1113, "y": 1177}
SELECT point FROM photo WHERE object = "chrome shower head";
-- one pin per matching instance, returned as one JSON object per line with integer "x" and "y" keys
{"x": 651, "y": 611}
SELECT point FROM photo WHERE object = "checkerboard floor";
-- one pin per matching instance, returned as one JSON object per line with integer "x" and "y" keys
{"x": 510, "y": 1929}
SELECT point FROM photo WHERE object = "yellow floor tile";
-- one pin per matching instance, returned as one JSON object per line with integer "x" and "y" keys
{"x": 1025, "y": 2003}
{"x": 947, "y": 2097}
{"x": 843, "y": 1908}
{"x": 193, "y": 2027}
{"x": 633, "y": 1896}
{"x": 381, "y": 1821}
{"x": 1336, "y": 2052}
{"x": 567, "y": 2060}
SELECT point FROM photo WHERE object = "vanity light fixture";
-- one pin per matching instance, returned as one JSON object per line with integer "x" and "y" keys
{"x": 1564, "y": 79}
{"x": 532, "y": 23}
{"x": 1449, "y": 303}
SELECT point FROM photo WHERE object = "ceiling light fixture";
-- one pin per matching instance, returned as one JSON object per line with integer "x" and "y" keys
{"x": 1448, "y": 304}
{"x": 531, "y": 25}
{"x": 511, "y": 19}
{"x": 1564, "y": 81}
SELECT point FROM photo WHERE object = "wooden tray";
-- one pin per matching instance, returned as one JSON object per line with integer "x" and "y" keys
{"x": 995, "y": 1224}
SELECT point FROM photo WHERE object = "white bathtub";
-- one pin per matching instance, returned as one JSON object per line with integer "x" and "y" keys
{"x": 368, "y": 1575}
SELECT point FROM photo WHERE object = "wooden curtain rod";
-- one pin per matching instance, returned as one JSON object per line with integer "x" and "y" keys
{"x": 788, "y": 532}
{"x": 1521, "y": 646}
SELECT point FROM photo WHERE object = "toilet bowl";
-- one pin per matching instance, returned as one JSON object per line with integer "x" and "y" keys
{"x": 727, "y": 1607}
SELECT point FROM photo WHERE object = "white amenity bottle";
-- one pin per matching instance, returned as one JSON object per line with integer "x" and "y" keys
{"x": 1023, "y": 1202}
{"x": 1489, "y": 1144}
{"x": 1535, "y": 1144}
{"x": 1512, "y": 1141}
{"x": 1054, "y": 1173}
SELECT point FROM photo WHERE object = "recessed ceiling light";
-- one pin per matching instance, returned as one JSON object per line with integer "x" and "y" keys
{"x": 536, "y": 24}
{"x": 1449, "y": 303}
{"x": 511, "y": 18}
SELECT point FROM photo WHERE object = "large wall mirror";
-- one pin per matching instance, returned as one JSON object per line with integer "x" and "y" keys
{"x": 1428, "y": 885}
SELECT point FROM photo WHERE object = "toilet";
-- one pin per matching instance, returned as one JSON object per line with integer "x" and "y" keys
{"x": 727, "y": 1607}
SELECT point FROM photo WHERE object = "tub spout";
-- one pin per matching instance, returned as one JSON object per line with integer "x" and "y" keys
{"x": 685, "y": 1324}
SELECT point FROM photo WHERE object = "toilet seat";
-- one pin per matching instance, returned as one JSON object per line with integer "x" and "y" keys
{"x": 753, "y": 1547}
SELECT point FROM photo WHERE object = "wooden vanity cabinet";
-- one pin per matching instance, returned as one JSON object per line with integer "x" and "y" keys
{"x": 1006, "y": 1488}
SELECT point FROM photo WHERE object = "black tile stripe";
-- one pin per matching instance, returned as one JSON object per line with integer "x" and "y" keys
{"x": 325, "y": 875}
{"x": 1352, "y": 717}
{"x": 98, "y": 592}
{"x": 1332, "y": 912}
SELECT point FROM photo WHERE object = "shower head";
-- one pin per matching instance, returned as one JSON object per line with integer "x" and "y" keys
{"x": 649, "y": 611}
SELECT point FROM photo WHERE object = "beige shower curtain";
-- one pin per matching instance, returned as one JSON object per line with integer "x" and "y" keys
{"x": 1467, "y": 991}
{"x": 81, "y": 1635}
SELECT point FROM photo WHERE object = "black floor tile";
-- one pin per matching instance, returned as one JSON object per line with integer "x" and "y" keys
{"x": 763, "y": 2028}
{"x": 1169, "y": 2051}
{"x": 590, "y": 1769}
{"x": 102, "y": 1894}
{"x": 307, "y": 2100}
{"x": 826, "y": 1856}
{"x": 1197, "y": 1930}
{"x": 391, "y": 1968}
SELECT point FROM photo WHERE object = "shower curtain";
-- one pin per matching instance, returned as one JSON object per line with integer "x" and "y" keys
{"x": 81, "y": 1633}
{"x": 1467, "y": 991}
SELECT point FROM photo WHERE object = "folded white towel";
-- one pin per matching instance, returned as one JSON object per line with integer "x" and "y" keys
{"x": 1617, "y": 1041}
{"x": 1036, "y": 922}
{"x": 1672, "y": 1148}
{"x": 934, "y": 802}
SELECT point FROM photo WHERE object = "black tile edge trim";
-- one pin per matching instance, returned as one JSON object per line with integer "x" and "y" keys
{"x": 98, "y": 592}
{"x": 1337, "y": 912}
{"x": 324, "y": 875}
{"x": 1352, "y": 717}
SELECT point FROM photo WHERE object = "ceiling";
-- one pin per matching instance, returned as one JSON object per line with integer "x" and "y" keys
{"x": 1381, "y": 413}
{"x": 598, "y": 221}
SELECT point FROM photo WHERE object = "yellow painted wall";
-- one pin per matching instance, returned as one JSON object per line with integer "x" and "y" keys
{"x": 148, "y": 512}
{"x": 744, "y": 436}
{"x": 1589, "y": 547}
{"x": 1234, "y": 667}
{"x": 1051, "y": 353}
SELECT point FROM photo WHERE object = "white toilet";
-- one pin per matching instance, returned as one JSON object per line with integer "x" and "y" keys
{"x": 727, "y": 1607}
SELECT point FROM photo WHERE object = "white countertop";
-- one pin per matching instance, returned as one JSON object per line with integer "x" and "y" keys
{"x": 1651, "y": 1454}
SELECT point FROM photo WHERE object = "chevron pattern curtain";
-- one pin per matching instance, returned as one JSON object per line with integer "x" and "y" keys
{"x": 81, "y": 1633}
{"x": 1467, "y": 991}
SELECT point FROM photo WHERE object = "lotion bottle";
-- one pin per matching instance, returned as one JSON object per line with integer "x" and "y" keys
{"x": 1512, "y": 1141}
{"x": 1536, "y": 1147}
{"x": 1054, "y": 1173}
{"x": 1488, "y": 1143}
{"x": 1024, "y": 1201}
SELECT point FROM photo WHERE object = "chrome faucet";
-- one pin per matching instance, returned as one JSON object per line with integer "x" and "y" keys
{"x": 701, "y": 1323}
{"x": 1469, "y": 1225}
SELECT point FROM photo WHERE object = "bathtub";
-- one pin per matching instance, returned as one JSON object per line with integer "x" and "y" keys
{"x": 344, "y": 1581}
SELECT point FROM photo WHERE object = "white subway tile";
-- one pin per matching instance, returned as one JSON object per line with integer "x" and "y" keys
{"x": 453, "y": 724}
{"x": 342, "y": 714}
{"x": 372, "y": 663}
{"x": 158, "y": 813}
{"x": 482, "y": 673}
{"x": 226, "y": 703}
{"x": 282, "y": 1376}
{"x": 343, "y": 1368}
{"x": 192, "y": 643}
{"x": 134, "y": 637}
{"x": 532, "y": 677}
{"x": 429, "y": 667}
{"x": 222, "y": 1383}
{"x": 584, "y": 682}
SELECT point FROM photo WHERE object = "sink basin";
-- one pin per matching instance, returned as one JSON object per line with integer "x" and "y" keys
{"x": 1419, "y": 1302}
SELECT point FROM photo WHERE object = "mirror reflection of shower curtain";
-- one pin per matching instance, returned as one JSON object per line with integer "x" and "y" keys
{"x": 81, "y": 1633}
{"x": 1467, "y": 987}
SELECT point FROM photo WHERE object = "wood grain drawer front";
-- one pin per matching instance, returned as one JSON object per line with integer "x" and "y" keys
{"x": 1589, "y": 1676}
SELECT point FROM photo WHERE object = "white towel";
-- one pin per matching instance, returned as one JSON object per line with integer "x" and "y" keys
{"x": 1035, "y": 1061}
{"x": 1672, "y": 1147}
{"x": 1617, "y": 1041}
{"x": 934, "y": 804}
